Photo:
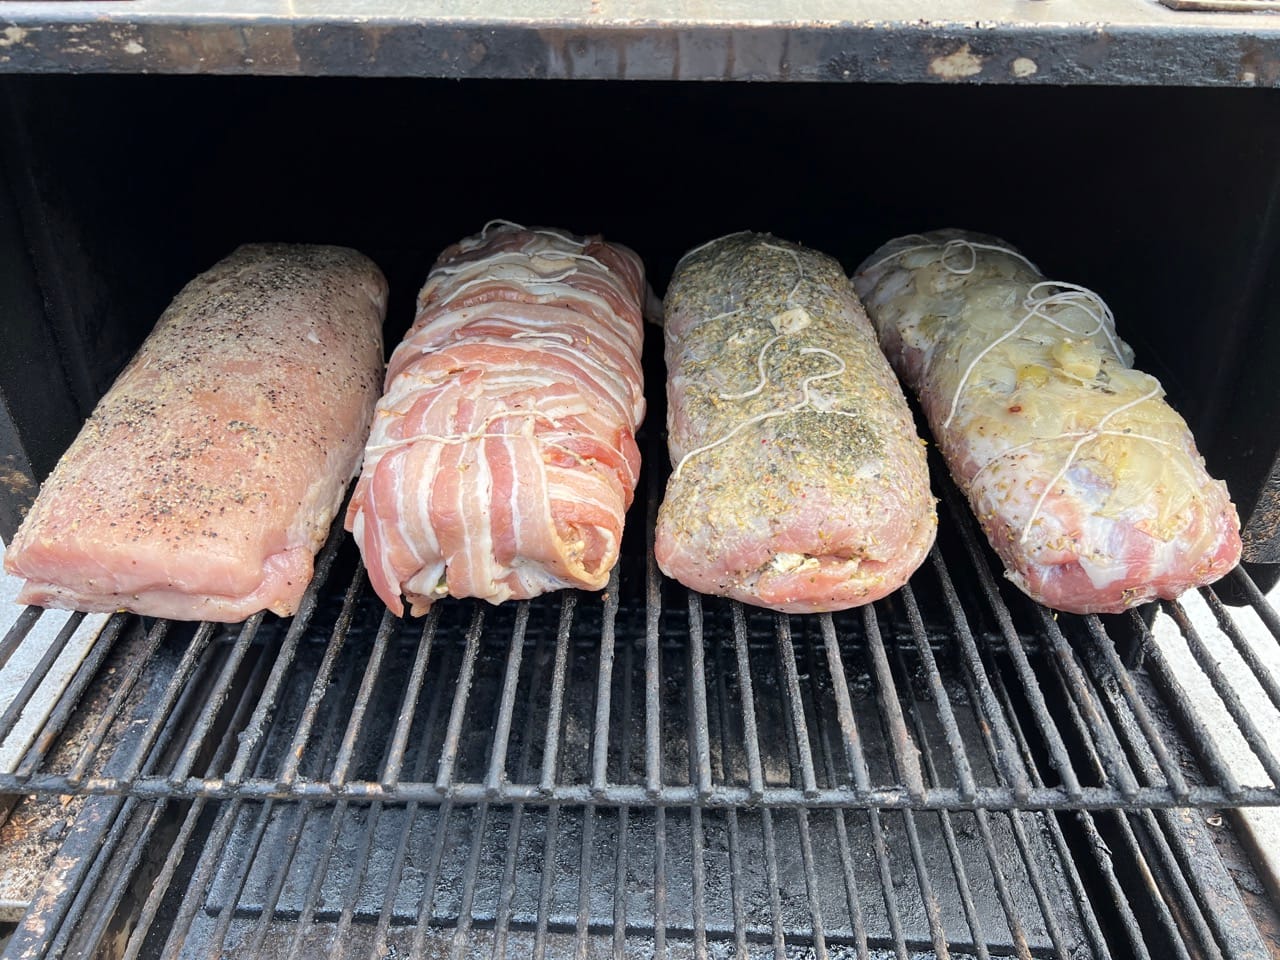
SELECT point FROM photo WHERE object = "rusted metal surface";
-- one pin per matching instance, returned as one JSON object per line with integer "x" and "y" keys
{"x": 1262, "y": 526}
{"x": 35, "y": 827}
{"x": 1226, "y": 6}
{"x": 1046, "y": 42}
{"x": 29, "y": 840}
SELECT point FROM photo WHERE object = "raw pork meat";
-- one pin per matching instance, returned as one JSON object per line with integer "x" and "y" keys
{"x": 799, "y": 482}
{"x": 205, "y": 480}
{"x": 1086, "y": 482}
{"x": 503, "y": 456}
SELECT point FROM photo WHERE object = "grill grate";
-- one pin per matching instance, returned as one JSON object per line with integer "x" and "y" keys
{"x": 651, "y": 771}
{"x": 1104, "y": 747}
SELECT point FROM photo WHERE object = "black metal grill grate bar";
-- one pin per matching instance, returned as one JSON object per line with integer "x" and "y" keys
{"x": 458, "y": 917}
{"x": 1227, "y": 624}
{"x": 88, "y": 670}
{"x": 1223, "y": 688}
{"x": 1105, "y": 662}
{"x": 948, "y": 832}
{"x": 1098, "y": 772}
{"x": 581, "y": 769}
{"x": 12, "y": 714}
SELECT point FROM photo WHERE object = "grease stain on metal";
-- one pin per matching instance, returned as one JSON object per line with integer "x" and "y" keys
{"x": 1024, "y": 67}
{"x": 12, "y": 34}
{"x": 1257, "y": 66}
{"x": 17, "y": 483}
{"x": 957, "y": 64}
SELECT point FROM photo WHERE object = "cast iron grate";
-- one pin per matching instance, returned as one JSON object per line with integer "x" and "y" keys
{"x": 648, "y": 770}
{"x": 311, "y": 879}
{"x": 856, "y": 671}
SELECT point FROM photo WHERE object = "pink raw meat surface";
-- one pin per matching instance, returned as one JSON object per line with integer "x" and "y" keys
{"x": 1087, "y": 483}
{"x": 799, "y": 482}
{"x": 502, "y": 457}
{"x": 208, "y": 475}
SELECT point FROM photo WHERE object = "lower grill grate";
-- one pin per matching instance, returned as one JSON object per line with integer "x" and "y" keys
{"x": 952, "y": 770}
{"x": 465, "y": 877}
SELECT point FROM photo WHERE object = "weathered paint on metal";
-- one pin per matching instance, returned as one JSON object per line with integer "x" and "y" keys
{"x": 1261, "y": 532}
{"x": 1092, "y": 42}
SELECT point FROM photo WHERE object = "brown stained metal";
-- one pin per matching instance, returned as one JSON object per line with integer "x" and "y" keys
{"x": 29, "y": 841}
{"x": 1224, "y": 6}
{"x": 16, "y": 482}
{"x": 264, "y": 48}
{"x": 1218, "y": 890}
{"x": 1261, "y": 899}
{"x": 1106, "y": 41}
{"x": 36, "y": 827}
{"x": 1259, "y": 62}
{"x": 1261, "y": 532}
{"x": 17, "y": 492}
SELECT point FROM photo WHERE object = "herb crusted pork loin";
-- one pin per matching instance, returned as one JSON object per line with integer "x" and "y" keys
{"x": 798, "y": 480}
{"x": 1087, "y": 483}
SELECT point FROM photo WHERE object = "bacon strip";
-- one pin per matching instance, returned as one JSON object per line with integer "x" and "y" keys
{"x": 503, "y": 457}
{"x": 1087, "y": 483}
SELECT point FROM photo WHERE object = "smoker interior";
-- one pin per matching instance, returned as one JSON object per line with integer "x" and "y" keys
{"x": 952, "y": 771}
{"x": 1162, "y": 199}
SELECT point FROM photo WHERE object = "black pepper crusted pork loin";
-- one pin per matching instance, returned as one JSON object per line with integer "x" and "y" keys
{"x": 206, "y": 479}
{"x": 799, "y": 482}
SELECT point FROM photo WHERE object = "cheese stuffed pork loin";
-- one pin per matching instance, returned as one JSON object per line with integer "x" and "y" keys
{"x": 1087, "y": 483}
{"x": 798, "y": 480}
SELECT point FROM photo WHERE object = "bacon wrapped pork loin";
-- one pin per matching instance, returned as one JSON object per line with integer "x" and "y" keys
{"x": 502, "y": 456}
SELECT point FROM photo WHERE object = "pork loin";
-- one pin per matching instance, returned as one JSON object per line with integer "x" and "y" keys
{"x": 205, "y": 480}
{"x": 503, "y": 456}
{"x": 799, "y": 482}
{"x": 1087, "y": 483}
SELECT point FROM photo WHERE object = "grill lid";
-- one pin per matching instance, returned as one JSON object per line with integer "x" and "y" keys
{"x": 1127, "y": 42}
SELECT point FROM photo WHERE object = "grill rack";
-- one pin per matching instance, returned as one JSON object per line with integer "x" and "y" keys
{"x": 997, "y": 718}
{"x": 1133, "y": 759}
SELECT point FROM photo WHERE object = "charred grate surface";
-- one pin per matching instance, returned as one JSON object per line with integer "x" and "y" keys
{"x": 953, "y": 770}
{"x": 251, "y": 878}
{"x": 650, "y": 695}
{"x": 572, "y": 843}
